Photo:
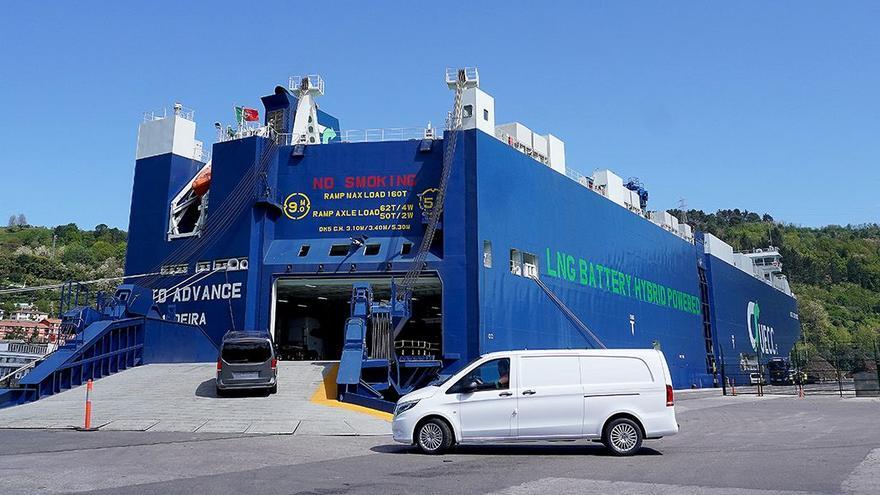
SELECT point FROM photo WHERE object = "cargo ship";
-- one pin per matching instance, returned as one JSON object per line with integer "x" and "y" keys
{"x": 406, "y": 253}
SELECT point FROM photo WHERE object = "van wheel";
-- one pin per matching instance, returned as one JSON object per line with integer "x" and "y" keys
{"x": 434, "y": 436}
{"x": 622, "y": 437}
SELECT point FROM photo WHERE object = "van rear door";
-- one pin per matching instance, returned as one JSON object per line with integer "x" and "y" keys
{"x": 549, "y": 396}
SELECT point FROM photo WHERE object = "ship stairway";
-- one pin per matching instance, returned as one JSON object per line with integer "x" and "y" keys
{"x": 371, "y": 372}
{"x": 458, "y": 80}
{"x": 708, "y": 337}
{"x": 375, "y": 375}
{"x": 585, "y": 331}
{"x": 128, "y": 332}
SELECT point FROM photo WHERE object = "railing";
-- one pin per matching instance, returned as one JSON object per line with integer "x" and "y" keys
{"x": 470, "y": 74}
{"x": 579, "y": 178}
{"x": 392, "y": 134}
{"x": 114, "y": 349}
{"x": 7, "y": 380}
{"x": 769, "y": 251}
{"x": 314, "y": 82}
{"x": 203, "y": 153}
{"x": 244, "y": 131}
{"x": 366, "y": 135}
{"x": 180, "y": 111}
{"x": 25, "y": 348}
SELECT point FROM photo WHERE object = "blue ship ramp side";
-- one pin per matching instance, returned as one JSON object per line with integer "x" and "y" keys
{"x": 109, "y": 346}
{"x": 352, "y": 353}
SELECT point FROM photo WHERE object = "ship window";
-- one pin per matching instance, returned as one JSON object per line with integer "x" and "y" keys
{"x": 530, "y": 265}
{"x": 467, "y": 111}
{"x": 304, "y": 250}
{"x": 371, "y": 249}
{"x": 406, "y": 249}
{"x": 516, "y": 262}
{"x": 203, "y": 266}
{"x": 485, "y": 114}
{"x": 487, "y": 254}
{"x": 339, "y": 250}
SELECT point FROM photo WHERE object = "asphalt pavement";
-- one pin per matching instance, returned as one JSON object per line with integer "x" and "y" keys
{"x": 727, "y": 445}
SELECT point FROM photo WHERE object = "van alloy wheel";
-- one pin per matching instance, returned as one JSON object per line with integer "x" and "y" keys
{"x": 622, "y": 436}
{"x": 434, "y": 436}
{"x": 431, "y": 436}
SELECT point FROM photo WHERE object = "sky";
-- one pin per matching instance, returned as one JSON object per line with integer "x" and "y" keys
{"x": 767, "y": 106}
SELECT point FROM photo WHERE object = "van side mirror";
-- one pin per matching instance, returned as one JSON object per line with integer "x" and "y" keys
{"x": 463, "y": 388}
{"x": 470, "y": 387}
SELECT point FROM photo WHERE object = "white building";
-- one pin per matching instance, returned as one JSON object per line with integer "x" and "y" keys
{"x": 27, "y": 312}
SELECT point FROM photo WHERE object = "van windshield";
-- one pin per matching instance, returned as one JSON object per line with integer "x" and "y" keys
{"x": 441, "y": 379}
{"x": 246, "y": 352}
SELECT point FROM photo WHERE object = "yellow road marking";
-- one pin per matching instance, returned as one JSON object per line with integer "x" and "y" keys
{"x": 326, "y": 395}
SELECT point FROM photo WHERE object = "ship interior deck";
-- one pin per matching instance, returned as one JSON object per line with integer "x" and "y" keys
{"x": 310, "y": 314}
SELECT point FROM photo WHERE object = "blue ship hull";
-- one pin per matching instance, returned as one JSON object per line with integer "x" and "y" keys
{"x": 297, "y": 229}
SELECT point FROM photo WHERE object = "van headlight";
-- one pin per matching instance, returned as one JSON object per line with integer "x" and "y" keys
{"x": 405, "y": 406}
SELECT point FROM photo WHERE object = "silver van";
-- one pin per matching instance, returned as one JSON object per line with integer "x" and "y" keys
{"x": 247, "y": 361}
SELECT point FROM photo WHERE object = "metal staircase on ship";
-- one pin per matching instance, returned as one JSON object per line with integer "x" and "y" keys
{"x": 371, "y": 370}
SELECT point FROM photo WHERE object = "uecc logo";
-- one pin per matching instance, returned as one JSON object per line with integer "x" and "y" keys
{"x": 760, "y": 336}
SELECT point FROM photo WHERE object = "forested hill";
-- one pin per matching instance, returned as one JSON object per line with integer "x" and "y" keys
{"x": 28, "y": 258}
{"x": 834, "y": 270}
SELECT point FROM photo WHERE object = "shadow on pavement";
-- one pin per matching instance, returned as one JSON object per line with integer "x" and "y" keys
{"x": 208, "y": 388}
{"x": 579, "y": 448}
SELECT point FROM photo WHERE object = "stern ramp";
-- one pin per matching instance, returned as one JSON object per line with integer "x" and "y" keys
{"x": 181, "y": 397}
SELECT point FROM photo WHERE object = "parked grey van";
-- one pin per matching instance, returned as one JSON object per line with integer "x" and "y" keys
{"x": 247, "y": 361}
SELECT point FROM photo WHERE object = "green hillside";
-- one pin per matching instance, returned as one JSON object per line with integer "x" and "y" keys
{"x": 28, "y": 258}
{"x": 834, "y": 270}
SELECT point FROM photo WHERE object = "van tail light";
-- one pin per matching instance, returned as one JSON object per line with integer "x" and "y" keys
{"x": 219, "y": 364}
{"x": 669, "y": 398}
{"x": 274, "y": 363}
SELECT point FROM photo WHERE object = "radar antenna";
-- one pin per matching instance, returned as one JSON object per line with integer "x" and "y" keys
{"x": 682, "y": 207}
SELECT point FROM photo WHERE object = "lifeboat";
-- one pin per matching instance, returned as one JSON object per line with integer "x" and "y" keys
{"x": 202, "y": 182}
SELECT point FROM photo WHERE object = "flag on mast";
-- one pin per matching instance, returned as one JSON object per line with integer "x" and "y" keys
{"x": 244, "y": 114}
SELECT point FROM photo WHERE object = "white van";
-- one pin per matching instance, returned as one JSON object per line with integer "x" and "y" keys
{"x": 618, "y": 396}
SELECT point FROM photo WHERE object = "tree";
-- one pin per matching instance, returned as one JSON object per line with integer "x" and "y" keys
{"x": 68, "y": 234}
{"x": 16, "y": 333}
{"x": 76, "y": 253}
{"x": 22, "y": 220}
{"x": 103, "y": 250}
{"x": 12, "y": 221}
{"x": 815, "y": 323}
